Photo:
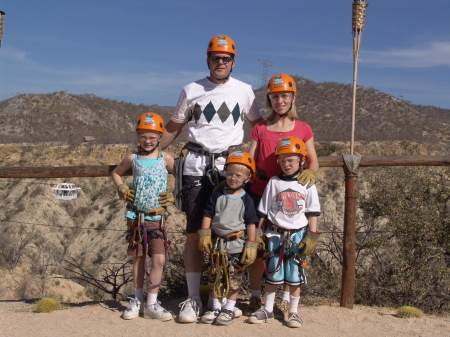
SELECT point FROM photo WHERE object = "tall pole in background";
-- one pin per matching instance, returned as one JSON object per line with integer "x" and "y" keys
{"x": 1, "y": 26}
{"x": 359, "y": 14}
{"x": 266, "y": 64}
{"x": 351, "y": 176}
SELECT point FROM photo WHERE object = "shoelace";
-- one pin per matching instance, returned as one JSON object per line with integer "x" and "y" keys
{"x": 262, "y": 312}
{"x": 194, "y": 305}
{"x": 295, "y": 317}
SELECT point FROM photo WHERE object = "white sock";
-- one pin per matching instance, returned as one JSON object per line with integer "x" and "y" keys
{"x": 286, "y": 296}
{"x": 230, "y": 305}
{"x": 139, "y": 294}
{"x": 152, "y": 298}
{"x": 256, "y": 293}
{"x": 294, "y": 304}
{"x": 269, "y": 300}
{"x": 193, "y": 284}
{"x": 216, "y": 304}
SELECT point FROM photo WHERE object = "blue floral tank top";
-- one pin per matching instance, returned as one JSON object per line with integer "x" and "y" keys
{"x": 149, "y": 180}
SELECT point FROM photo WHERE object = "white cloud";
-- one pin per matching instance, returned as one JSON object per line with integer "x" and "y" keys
{"x": 430, "y": 54}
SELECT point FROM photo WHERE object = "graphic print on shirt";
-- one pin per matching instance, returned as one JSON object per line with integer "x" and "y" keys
{"x": 289, "y": 202}
{"x": 223, "y": 112}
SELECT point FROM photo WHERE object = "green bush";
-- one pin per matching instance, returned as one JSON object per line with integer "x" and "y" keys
{"x": 409, "y": 312}
{"x": 47, "y": 304}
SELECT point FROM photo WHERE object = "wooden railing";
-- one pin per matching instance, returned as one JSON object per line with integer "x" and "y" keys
{"x": 351, "y": 196}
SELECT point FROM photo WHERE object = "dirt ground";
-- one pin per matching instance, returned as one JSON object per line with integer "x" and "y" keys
{"x": 17, "y": 318}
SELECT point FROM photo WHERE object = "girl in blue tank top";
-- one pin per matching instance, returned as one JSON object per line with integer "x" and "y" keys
{"x": 147, "y": 199}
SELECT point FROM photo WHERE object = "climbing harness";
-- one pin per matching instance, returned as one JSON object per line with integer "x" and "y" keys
{"x": 141, "y": 232}
{"x": 219, "y": 263}
{"x": 285, "y": 234}
{"x": 210, "y": 175}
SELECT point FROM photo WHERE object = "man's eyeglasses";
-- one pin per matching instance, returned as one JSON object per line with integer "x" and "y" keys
{"x": 225, "y": 59}
{"x": 283, "y": 97}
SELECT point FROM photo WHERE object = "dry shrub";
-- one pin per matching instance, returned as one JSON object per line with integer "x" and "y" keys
{"x": 47, "y": 304}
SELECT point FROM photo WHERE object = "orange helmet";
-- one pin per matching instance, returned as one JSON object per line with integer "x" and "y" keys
{"x": 242, "y": 158}
{"x": 281, "y": 82}
{"x": 291, "y": 145}
{"x": 150, "y": 121}
{"x": 221, "y": 43}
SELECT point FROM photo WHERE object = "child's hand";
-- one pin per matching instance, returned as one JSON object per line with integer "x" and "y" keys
{"x": 309, "y": 243}
{"x": 166, "y": 199}
{"x": 249, "y": 254}
{"x": 307, "y": 175}
{"x": 126, "y": 193}
{"x": 204, "y": 241}
{"x": 260, "y": 240}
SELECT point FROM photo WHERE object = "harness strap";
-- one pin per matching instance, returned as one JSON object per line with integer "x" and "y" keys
{"x": 232, "y": 237}
{"x": 145, "y": 243}
{"x": 197, "y": 148}
{"x": 261, "y": 174}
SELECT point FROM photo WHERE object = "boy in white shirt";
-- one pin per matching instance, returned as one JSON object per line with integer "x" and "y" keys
{"x": 288, "y": 213}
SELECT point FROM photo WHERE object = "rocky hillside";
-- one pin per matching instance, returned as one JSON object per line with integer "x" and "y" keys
{"x": 65, "y": 118}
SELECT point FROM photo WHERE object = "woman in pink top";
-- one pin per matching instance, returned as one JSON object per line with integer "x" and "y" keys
{"x": 283, "y": 122}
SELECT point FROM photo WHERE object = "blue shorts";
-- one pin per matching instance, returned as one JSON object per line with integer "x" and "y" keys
{"x": 289, "y": 272}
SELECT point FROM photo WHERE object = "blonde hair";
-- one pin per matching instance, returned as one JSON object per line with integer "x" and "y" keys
{"x": 292, "y": 114}
{"x": 236, "y": 167}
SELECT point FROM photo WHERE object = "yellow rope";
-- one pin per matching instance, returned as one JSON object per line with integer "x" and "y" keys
{"x": 221, "y": 269}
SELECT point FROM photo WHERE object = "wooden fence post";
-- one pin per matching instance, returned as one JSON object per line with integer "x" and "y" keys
{"x": 349, "y": 240}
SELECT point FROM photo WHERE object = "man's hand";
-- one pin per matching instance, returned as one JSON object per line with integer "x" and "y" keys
{"x": 204, "y": 241}
{"x": 126, "y": 193}
{"x": 307, "y": 175}
{"x": 166, "y": 199}
{"x": 309, "y": 243}
{"x": 249, "y": 254}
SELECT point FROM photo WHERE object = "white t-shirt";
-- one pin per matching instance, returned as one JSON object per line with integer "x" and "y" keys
{"x": 214, "y": 114}
{"x": 288, "y": 203}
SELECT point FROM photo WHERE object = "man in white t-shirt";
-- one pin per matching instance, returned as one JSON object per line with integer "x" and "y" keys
{"x": 213, "y": 109}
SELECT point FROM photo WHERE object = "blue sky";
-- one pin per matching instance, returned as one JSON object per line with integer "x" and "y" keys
{"x": 144, "y": 51}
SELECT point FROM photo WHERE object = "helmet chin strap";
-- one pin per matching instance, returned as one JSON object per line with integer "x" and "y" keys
{"x": 286, "y": 113}
{"x": 232, "y": 190}
{"x": 290, "y": 177}
{"x": 220, "y": 79}
{"x": 144, "y": 152}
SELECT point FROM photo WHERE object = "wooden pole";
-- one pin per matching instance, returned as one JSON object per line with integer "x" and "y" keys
{"x": 349, "y": 247}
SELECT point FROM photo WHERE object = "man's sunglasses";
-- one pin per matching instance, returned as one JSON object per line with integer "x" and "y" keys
{"x": 225, "y": 59}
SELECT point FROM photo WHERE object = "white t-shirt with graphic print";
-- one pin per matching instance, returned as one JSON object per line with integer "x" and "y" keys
{"x": 214, "y": 114}
{"x": 287, "y": 203}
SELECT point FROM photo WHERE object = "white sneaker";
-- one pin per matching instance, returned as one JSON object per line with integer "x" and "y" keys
{"x": 190, "y": 310}
{"x": 210, "y": 316}
{"x": 134, "y": 309}
{"x": 156, "y": 311}
{"x": 294, "y": 320}
{"x": 236, "y": 310}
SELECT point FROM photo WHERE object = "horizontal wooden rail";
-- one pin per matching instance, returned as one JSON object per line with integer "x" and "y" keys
{"x": 105, "y": 170}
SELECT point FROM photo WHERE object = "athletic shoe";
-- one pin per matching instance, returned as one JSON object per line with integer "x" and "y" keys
{"x": 237, "y": 312}
{"x": 281, "y": 310}
{"x": 294, "y": 320}
{"x": 210, "y": 316}
{"x": 190, "y": 310}
{"x": 225, "y": 317}
{"x": 134, "y": 309}
{"x": 253, "y": 306}
{"x": 260, "y": 316}
{"x": 156, "y": 311}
